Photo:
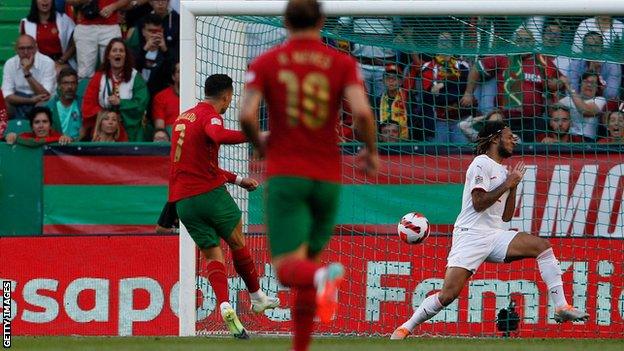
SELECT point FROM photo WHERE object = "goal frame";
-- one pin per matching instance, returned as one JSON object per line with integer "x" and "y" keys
{"x": 190, "y": 9}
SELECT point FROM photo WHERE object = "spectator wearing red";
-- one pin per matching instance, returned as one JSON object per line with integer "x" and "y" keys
{"x": 40, "y": 118}
{"x": 615, "y": 127}
{"x": 522, "y": 82}
{"x": 166, "y": 104}
{"x": 52, "y": 30}
{"x": 117, "y": 86}
{"x": 97, "y": 23}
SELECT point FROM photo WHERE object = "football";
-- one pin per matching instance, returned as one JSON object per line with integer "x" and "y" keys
{"x": 413, "y": 228}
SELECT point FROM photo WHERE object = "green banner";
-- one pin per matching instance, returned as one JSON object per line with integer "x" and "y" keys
{"x": 385, "y": 204}
{"x": 103, "y": 204}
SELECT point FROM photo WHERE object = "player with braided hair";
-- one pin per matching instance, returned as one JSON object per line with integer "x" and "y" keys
{"x": 480, "y": 234}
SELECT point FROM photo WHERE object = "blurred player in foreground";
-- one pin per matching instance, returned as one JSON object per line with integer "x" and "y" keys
{"x": 303, "y": 83}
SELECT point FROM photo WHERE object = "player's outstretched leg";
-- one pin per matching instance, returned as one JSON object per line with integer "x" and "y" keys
{"x": 551, "y": 274}
{"x": 246, "y": 269}
{"x": 427, "y": 309}
{"x": 454, "y": 281}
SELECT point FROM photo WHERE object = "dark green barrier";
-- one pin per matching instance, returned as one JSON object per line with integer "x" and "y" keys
{"x": 21, "y": 200}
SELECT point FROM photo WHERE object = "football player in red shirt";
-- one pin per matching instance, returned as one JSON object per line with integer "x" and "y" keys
{"x": 209, "y": 213}
{"x": 303, "y": 83}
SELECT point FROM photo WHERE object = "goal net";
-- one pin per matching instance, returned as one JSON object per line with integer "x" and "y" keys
{"x": 432, "y": 80}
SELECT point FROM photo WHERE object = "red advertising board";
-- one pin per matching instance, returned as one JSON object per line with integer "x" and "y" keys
{"x": 127, "y": 285}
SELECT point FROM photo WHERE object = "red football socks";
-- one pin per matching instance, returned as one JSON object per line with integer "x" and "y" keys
{"x": 218, "y": 280}
{"x": 298, "y": 273}
{"x": 303, "y": 317}
{"x": 244, "y": 265}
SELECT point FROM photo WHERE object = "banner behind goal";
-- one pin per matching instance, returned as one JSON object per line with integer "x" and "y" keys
{"x": 527, "y": 68}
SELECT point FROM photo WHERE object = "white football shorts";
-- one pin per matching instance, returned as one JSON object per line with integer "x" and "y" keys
{"x": 471, "y": 248}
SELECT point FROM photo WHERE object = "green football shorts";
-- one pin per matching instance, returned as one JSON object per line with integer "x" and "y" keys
{"x": 209, "y": 216}
{"x": 298, "y": 211}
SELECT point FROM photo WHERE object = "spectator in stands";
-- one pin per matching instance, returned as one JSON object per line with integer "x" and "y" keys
{"x": 166, "y": 104}
{"x": 28, "y": 78}
{"x": 558, "y": 127}
{"x": 585, "y": 107}
{"x": 170, "y": 20}
{"x": 97, "y": 23}
{"x": 372, "y": 59}
{"x": 389, "y": 132}
{"x": 117, "y": 86}
{"x": 552, "y": 36}
{"x": 52, "y": 30}
{"x": 4, "y": 116}
{"x": 443, "y": 84}
{"x": 615, "y": 127}
{"x": 161, "y": 136}
{"x": 65, "y": 105}
{"x": 153, "y": 59}
{"x": 393, "y": 103}
{"x": 609, "y": 74}
{"x": 611, "y": 30}
{"x": 522, "y": 83}
{"x": 40, "y": 118}
{"x": 107, "y": 127}
{"x": 134, "y": 12}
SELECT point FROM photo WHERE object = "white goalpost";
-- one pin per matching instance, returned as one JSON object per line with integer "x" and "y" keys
{"x": 197, "y": 63}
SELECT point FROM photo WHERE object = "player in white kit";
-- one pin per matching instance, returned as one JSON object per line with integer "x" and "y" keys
{"x": 480, "y": 233}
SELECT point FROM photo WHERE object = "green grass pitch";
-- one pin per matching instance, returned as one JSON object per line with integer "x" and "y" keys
{"x": 319, "y": 344}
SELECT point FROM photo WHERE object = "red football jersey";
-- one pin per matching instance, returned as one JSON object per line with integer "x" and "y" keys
{"x": 166, "y": 106}
{"x": 303, "y": 83}
{"x": 197, "y": 135}
{"x": 533, "y": 86}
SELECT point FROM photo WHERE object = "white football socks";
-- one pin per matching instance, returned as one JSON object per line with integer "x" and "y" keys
{"x": 427, "y": 309}
{"x": 551, "y": 275}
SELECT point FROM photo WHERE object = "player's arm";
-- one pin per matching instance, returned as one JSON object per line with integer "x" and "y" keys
{"x": 482, "y": 200}
{"x": 215, "y": 131}
{"x": 249, "y": 184}
{"x": 510, "y": 205}
{"x": 473, "y": 79}
{"x": 364, "y": 125}
{"x": 249, "y": 118}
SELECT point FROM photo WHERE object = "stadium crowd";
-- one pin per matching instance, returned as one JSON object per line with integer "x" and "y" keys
{"x": 93, "y": 70}
{"x": 559, "y": 67}
{"x": 112, "y": 65}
